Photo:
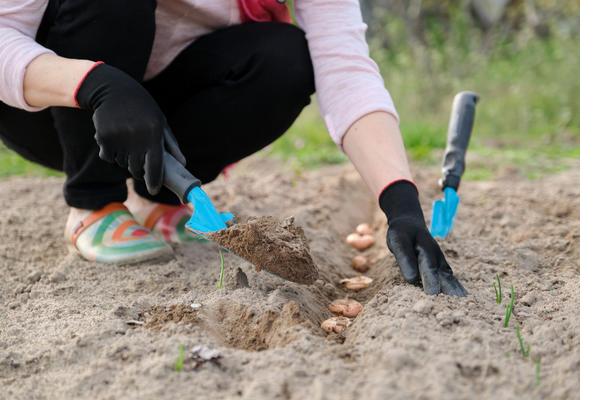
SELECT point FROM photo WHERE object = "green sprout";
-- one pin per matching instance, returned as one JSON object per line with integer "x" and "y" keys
{"x": 222, "y": 271}
{"x": 509, "y": 306}
{"x": 498, "y": 290}
{"x": 180, "y": 359}
{"x": 524, "y": 348}
{"x": 538, "y": 371}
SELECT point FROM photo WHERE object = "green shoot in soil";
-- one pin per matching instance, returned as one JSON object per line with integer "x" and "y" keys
{"x": 509, "y": 307}
{"x": 498, "y": 290}
{"x": 538, "y": 371}
{"x": 180, "y": 359}
{"x": 222, "y": 271}
{"x": 524, "y": 348}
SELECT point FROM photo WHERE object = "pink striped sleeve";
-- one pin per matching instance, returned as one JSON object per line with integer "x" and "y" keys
{"x": 19, "y": 20}
{"x": 348, "y": 81}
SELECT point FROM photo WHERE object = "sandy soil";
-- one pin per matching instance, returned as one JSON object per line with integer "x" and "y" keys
{"x": 73, "y": 329}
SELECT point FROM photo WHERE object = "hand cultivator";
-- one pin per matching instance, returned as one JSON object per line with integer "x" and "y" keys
{"x": 453, "y": 167}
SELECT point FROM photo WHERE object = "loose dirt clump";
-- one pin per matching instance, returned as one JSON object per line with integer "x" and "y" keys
{"x": 157, "y": 317}
{"x": 275, "y": 245}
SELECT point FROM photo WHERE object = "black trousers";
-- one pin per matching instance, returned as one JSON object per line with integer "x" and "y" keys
{"x": 227, "y": 95}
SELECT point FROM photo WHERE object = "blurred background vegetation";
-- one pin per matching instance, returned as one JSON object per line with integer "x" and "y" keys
{"x": 521, "y": 56}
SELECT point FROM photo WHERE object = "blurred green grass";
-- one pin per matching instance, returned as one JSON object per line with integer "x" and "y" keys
{"x": 13, "y": 164}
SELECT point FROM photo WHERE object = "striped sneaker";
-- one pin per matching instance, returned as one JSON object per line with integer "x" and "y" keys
{"x": 169, "y": 221}
{"x": 111, "y": 235}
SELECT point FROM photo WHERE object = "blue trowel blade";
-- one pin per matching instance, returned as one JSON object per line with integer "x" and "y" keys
{"x": 443, "y": 213}
{"x": 205, "y": 218}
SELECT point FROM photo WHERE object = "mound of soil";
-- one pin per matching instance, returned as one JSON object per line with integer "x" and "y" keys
{"x": 275, "y": 245}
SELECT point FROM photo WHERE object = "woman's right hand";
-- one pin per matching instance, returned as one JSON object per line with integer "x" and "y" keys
{"x": 131, "y": 130}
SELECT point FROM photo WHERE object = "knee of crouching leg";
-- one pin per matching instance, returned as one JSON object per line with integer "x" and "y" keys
{"x": 284, "y": 50}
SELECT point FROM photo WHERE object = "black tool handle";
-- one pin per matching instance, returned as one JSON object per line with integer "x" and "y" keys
{"x": 178, "y": 179}
{"x": 459, "y": 133}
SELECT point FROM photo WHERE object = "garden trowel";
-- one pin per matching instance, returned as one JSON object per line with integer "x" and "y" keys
{"x": 459, "y": 133}
{"x": 205, "y": 217}
{"x": 289, "y": 258}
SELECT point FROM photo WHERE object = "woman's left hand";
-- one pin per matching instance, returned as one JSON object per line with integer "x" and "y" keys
{"x": 417, "y": 253}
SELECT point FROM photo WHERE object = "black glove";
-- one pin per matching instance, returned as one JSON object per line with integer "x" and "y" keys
{"x": 418, "y": 254}
{"x": 131, "y": 130}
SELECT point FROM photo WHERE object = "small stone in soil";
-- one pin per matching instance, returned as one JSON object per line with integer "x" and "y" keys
{"x": 205, "y": 353}
{"x": 57, "y": 277}
{"x": 34, "y": 277}
{"x": 423, "y": 306}
{"x": 241, "y": 279}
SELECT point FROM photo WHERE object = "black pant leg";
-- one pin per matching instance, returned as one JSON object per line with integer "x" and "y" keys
{"x": 231, "y": 93}
{"x": 32, "y": 135}
{"x": 122, "y": 36}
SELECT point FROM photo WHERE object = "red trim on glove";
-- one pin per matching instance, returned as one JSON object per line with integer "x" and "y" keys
{"x": 83, "y": 79}
{"x": 398, "y": 180}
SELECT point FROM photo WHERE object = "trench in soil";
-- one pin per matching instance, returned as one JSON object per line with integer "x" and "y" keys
{"x": 297, "y": 309}
{"x": 304, "y": 307}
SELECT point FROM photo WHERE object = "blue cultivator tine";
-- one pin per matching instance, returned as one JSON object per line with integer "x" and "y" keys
{"x": 438, "y": 227}
{"x": 443, "y": 213}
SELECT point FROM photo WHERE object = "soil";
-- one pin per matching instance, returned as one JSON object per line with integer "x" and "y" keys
{"x": 276, "y": 245}
{"x": 76, "y": 329}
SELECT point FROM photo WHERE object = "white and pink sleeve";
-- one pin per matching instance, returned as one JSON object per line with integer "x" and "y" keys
{"x": 19, "y": 21}
{"x": 348, "y": 81}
